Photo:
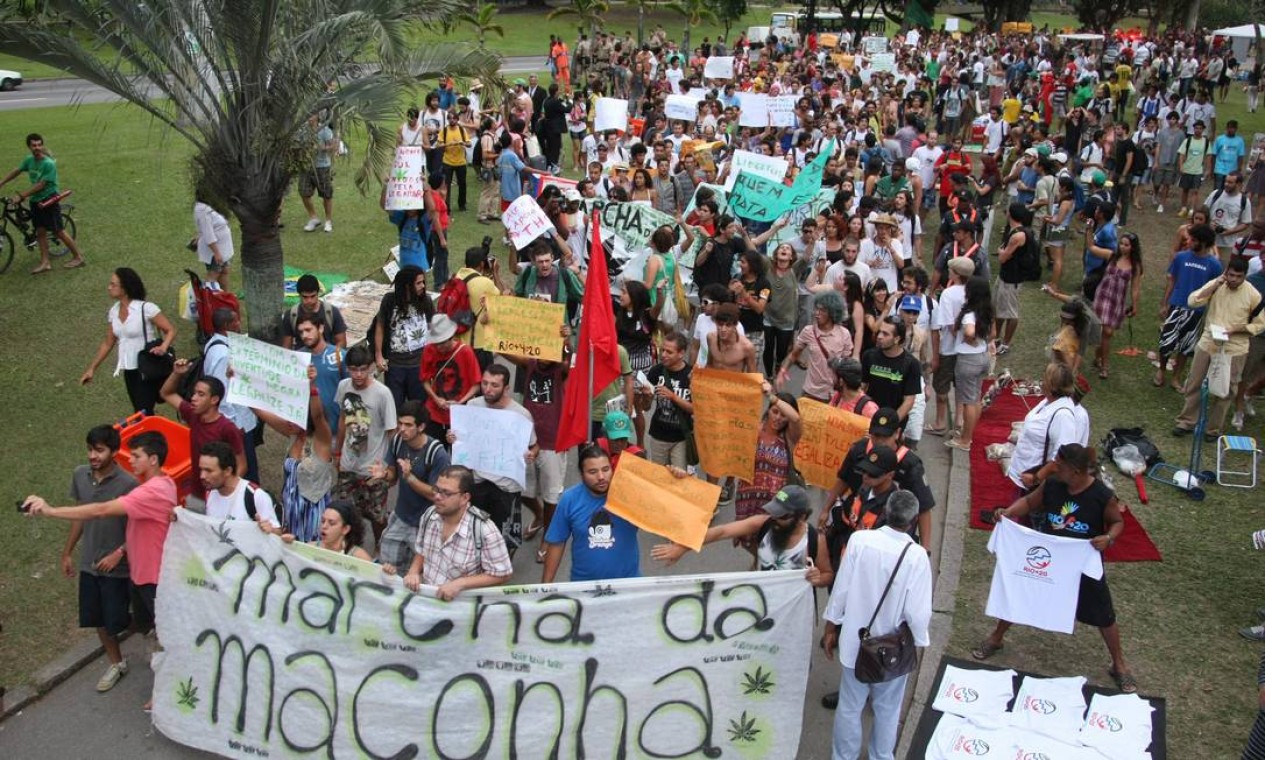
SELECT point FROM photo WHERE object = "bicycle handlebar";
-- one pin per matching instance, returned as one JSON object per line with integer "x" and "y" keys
{"x": 9, "y": 202}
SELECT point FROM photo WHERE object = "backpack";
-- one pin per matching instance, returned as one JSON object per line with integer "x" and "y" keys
{"x": 327, "y": 314}
{"x": 432, "y": 446}
{"x": 249, "y": 498}
{"x": 454, "y": 300}
{"x": 1029, "y": 257}
{"x": 195, "y": 373}
{"x": 479, "y": 516}
{"x": 1242, "y": 203}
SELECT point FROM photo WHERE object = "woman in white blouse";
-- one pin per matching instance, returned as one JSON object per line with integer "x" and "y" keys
{"x": 1051, "y": 423}
{"x": 133, "y": 322}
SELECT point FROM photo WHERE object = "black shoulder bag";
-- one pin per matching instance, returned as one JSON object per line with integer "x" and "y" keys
{"x": 882, "y": 658}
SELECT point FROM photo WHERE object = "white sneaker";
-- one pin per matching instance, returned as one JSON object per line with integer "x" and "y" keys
{"x": 1237, "y": 421}
{"x": 329, "y": 226}
{"x": 111, "y": 676}
{"x": 311, "y": 225}
{"x": 1159, "y": 209}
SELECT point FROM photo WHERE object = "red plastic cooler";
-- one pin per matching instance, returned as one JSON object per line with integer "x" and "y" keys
{"x": 178, "y": 465}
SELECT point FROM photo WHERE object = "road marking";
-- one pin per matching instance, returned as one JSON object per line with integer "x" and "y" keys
{"x": 20, "y": 100}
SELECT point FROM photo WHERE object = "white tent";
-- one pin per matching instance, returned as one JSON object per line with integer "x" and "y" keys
{"x": 1242, "y": 39}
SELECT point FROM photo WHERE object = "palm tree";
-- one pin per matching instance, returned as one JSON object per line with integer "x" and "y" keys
{"x": 483, "y": 19}
{"x": 587, "y": 13}
{"x": 695, "y": 12}
{"x": 641, "y": 17}
{"x": 238, "y": 80}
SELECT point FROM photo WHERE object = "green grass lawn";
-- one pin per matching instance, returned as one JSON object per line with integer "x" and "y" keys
{"x": 1179, "y": 618}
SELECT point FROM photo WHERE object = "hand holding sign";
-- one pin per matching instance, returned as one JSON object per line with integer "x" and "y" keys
{"x": 269, "y": 377}
{"x": 611, "y": 113}
{"x": 525, "y": 221}
{"x": 406, "y": 184}
{"x": 491, "y": 441}
{"x": 523, "y": 327}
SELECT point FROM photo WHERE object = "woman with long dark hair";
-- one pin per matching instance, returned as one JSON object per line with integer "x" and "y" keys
{"x": 973, "y": 327}
{"x": 132, "y": 323}
{"x": 779, "y": 433}
{"x": 877, "y": 306}
{"x": 399, "y": 334}
{"x": 342, "y": 530}
{"x": 634, "y": 329}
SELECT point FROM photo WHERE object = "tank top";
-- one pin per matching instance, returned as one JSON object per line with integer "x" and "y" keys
{"x": 792, "y": 557}
{"x": 1074, "y": 515}
{"x": 412, "y": 135}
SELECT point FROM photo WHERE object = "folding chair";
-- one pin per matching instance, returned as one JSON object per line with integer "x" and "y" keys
{"x": 1236, "y": 444}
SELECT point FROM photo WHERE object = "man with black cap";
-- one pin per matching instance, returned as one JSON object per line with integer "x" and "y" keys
{"x": 908, "y": 473}
{"x": 785, "y": 540}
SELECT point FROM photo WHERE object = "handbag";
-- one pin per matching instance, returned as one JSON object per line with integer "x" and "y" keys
{"x": 154, "y": 368}
{"x": 882, "y": 658}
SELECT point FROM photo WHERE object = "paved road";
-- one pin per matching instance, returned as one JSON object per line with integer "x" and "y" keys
{"x": 73, "y": 717}
{"x": 47, "y": 93}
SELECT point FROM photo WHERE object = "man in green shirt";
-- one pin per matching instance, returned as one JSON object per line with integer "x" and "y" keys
{"x": 41, "y": 170}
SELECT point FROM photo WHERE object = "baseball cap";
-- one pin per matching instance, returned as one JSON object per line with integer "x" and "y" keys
{"x": 1028, "y": 108}
{"x": 880, "y": 461}
{"x": 1031, "y": 152}
{"x": 1099, "y": 177}
{"x": 1060, "y": 157}
{"x": 962, "y": 266}
{"x": 617, "y": 426}
{"x": 911, "y": 303}
{"x": 885, "y": 422}
{"x": 791, "y": 500}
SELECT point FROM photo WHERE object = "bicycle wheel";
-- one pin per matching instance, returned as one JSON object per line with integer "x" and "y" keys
{"x": 55, "y": 246}
{"x": 6, "y": 251}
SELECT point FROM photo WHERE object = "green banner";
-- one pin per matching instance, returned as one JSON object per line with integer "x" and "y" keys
{"x": 763, "y": 200}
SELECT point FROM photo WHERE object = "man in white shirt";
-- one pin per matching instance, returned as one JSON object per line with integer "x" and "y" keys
{"x": 833, "y": 278}
{"x": 228, "y": 496}
{"x": 994, "y": 132}
{"x": 927, "y": 154}
{"x": 868, "y": 562}
{"x": 1230, "y": 212}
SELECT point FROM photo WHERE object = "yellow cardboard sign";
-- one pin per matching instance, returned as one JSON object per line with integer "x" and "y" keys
{"x": 522, "y": 327}
{"x": 826, "y": 434}
{"x": 727, "y": 420}
{"x": 828, "y": 40}
{"x": 650, "y": 497}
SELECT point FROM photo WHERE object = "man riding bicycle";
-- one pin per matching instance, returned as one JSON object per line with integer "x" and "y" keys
{"x": 46, "y": 217}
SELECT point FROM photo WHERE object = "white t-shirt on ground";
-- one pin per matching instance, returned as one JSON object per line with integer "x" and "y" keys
{"x": 1118, "y": 726}
{"x": 1051, "y": 706}
{"x": 980, "y": 696}
{"x": 1036, "y": 579}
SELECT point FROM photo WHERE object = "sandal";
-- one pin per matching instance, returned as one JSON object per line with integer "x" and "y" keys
{"x": 935, "y": 431}
{"x": 986, "y": 649}
{"x": 1158, "y": 380}
{"x": 1176, "y": 386}
{"x": 1125, "y": 682}
{"x": 540, "y": 556}
{"x": 532, "y": 530}
{"x": 957, "y": 443}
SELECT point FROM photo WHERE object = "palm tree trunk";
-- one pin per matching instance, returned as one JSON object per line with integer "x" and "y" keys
{"x": 263, "y": 275}
{"x": 641, "y": 22}
{"x": 1192, "y": 15}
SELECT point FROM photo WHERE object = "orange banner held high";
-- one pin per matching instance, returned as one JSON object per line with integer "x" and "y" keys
{"x": 727, "y": 408}
{"x": 826, "y": 435}
{"x": 650, "y": 497}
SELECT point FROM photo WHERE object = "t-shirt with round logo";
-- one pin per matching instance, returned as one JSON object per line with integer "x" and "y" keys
{"x": 1051, "y": 706}
{"x": 980, "y": 696}
{"x": 1037, "y": 576}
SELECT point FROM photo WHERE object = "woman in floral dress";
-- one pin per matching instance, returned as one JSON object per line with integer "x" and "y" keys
{"x": 779, "y": 432}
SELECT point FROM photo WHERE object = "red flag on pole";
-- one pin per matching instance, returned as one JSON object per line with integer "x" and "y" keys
{"x": 597, "y": 353}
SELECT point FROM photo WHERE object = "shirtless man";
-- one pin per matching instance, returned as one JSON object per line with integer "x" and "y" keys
{"x": 726, "y": 349}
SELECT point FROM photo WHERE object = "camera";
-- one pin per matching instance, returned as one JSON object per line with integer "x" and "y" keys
{"x": 23, "y": 506}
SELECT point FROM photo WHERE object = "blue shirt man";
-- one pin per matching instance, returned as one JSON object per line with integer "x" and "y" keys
{"x": 1228, "y": 151}
{"x": 603, "y": 545}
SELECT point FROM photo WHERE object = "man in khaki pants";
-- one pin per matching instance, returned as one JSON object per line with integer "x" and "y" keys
{"x": 1229, "y": 323}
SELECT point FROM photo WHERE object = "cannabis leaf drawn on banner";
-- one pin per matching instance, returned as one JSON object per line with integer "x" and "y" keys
{"x": 187, "y": 694}
{"x": 758, "y": 682}
{"x": 743, "y": 729}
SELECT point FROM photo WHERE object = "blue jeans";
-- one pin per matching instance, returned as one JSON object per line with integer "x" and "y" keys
{"x": 885, "y": 700}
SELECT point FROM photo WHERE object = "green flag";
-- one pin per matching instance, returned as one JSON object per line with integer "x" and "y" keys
{"x": 763, "y": 200}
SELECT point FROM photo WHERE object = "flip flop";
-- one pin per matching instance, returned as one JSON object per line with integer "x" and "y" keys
{"x": 1102, "y": 373}
{"x": 42, "y": 270}
{"x": 540, "y": 556}
{"x": 532, "y": 530}
{"x": 1125, "y": 682}
{"x": 935, "y": 431}
{"x": 73, "y": 264}
{"x": 1158, "y": 383}
{"x": 986, "y": 649}
{"x": 1176, "y": 386}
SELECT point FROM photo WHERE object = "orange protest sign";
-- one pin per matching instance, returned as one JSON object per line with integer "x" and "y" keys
{"x": 727, "y": 420}
{"x": 829, "y": 40}
{"x": 650, "y": 497}
{"x": 826, "y": 434}
{"x": 522, "y": 327}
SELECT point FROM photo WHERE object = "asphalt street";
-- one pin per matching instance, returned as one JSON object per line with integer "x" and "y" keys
{"x": 74, "y": 717}
{"x": 47, "y": 93}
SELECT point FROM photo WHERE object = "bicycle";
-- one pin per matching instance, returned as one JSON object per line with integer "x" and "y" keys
{"x": 20, "y": 217}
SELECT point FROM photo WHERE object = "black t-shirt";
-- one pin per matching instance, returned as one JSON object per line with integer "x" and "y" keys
{"x": 753, "y": 321}
{"x": 890, "y": 379}
{"x": 1123, "y": 149}
{"x": 911, "y": 475}
{"x": 718, "y": 265}
{"x": 665, "y": 424}
{"x": 1074, "y": 515}
{"x": 1010, "y": 271}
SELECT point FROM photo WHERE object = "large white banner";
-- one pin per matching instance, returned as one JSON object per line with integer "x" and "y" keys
{"x": 270, "y": 651}
{"x": 269, "y": 377}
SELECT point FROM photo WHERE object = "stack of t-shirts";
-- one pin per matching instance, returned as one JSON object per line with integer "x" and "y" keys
{"x": 1046, "y": 714}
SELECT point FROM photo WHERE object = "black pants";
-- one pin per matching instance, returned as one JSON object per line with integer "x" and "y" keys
{"x": 503, "y": 507}
{"x": 552, "y": 147}
{"x": 777, "y": 344}
{"x": 141, "y": 392}
{"x": 459, "y": 172}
